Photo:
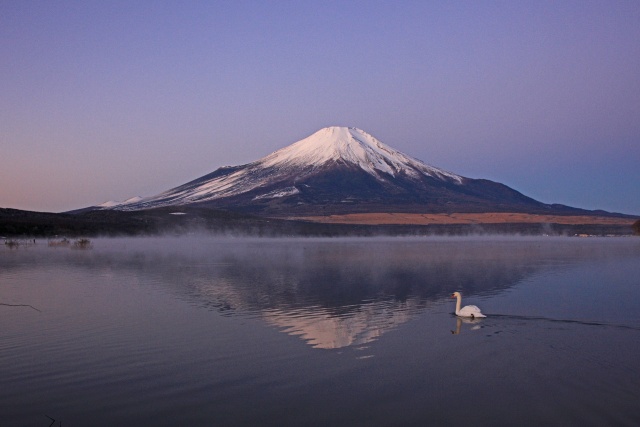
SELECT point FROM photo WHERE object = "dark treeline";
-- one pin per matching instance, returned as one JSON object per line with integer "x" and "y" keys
{"x": 170, "y": 220}
{"x": 16, "y": 223}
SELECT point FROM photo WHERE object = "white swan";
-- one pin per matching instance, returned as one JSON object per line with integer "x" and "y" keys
{"x": 468, "y": 310}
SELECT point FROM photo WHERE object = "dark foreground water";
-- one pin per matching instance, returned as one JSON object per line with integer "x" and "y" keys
{"x": 237, "y": 332}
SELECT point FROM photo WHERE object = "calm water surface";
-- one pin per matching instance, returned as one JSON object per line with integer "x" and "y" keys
{"x": 241, "y": 332}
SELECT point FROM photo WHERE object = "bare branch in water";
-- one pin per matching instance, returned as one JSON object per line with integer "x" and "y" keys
{"x": 53, "y": 421}
{"x": 20, "y": 305}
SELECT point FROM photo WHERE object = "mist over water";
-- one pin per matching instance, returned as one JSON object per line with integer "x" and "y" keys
{"x": 229, "y": 331}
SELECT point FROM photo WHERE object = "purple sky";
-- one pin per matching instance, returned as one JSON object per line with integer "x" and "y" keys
{"x": 113, "y": 99}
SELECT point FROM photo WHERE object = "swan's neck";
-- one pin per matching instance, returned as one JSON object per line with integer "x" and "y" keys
{"x": 458, "y": 303}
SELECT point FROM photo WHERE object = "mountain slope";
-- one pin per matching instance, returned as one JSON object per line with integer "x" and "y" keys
{"x": 342, "y": 170}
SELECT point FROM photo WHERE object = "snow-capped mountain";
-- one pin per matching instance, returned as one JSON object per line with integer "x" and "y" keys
{"x": 339, "y": 170}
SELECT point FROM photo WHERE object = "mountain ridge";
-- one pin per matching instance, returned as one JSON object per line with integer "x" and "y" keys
{"x": 341, "y": 170}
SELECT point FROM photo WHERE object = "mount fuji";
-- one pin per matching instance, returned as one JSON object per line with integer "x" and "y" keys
{"x": 340, "y": 170}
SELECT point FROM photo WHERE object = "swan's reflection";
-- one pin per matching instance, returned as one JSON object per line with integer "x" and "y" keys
{"x": 468, "y": 320}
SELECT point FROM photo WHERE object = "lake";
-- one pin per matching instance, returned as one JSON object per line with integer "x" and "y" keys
{"x": 223, "y": 331}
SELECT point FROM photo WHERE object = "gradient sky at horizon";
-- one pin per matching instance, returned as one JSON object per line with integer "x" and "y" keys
{"x": 109, "y": 100}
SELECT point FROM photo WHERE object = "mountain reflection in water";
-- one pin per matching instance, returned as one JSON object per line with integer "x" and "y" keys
{"x": 329, "y": 293}
{"x": 322, "y": 329}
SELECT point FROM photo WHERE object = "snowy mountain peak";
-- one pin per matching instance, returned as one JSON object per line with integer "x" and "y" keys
{"x": 355, "y": 146}
{"x": 331, "y": 143}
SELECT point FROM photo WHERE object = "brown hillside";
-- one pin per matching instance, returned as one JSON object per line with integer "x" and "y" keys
{"x": 464, "y": 218}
